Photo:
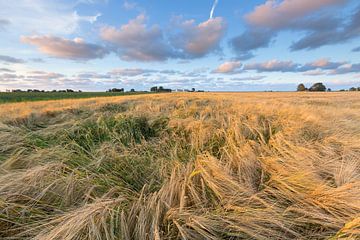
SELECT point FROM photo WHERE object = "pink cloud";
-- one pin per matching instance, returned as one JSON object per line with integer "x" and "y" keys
{"x": 136, "y": 41}
{"x": 197, "y": 40}
{"x": 275, "y": 14}
{"x": 76, "y": 49}
{"x": 228, "y": 67}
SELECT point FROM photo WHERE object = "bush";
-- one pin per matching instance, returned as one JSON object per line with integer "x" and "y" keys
{"x": 301, "y": 88}
{"x": 318, "y": 87}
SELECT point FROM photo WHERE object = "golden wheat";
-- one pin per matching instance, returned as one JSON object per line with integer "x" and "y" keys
{"x": 182, "y": 166}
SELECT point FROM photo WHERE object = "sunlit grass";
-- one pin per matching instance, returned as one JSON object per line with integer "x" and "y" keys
{"x": 182, "y": 166}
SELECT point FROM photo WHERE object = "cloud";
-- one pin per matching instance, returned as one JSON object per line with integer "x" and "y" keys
{"x": 213, "y": 8}
{"x": 90, "y": 19}
{"x": 197, "y": 40}
{"x": 44, "y": 16}
{"x": 8, "y": 59}
{"x": 4, "y": 23}
{"x": 356, "y": 49}
{"x": 130, "y": 72}
{"x": 76, "y": 49}
{"x": 246, "y": 79}
{"x": 316, "y": 72}
{"x": 128, "y": 5}
{"x": 347, "y": 68}
{"x": 273, "y": 17}
{"x": 250, "y": 40}
{"x": 93, "y": 75}
{"x": 37, "y": 60}
{"x": 273, "y": 66}
{"x": 41, "y": 75}
{"x": 228, "y": 67}
{"x": 319, "y": 67}
{"x": 324, "y": 64}
{"x": 335, "y": 35}
{"x": 6, "y": 70}
{"x": 276, "y": 15}
{"x": 10, "y": 77}
{"x": 134, "y": 41}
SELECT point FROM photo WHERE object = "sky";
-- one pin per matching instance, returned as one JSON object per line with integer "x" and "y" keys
{"x": 221, "y": 45}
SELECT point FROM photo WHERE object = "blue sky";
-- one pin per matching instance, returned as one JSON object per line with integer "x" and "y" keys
{"x": 255, "y": 45}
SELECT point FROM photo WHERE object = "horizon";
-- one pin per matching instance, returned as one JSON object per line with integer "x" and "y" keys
{"x": 217, "y": 46}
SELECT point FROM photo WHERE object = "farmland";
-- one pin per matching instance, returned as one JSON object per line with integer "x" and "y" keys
{"x": 182, "y": 166}
{"x": 42, "y": 96}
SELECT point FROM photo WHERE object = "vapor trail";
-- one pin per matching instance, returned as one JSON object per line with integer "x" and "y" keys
{"x": 213, "y": 9}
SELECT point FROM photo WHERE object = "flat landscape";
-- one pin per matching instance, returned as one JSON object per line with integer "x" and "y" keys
{"x": 182, "y": 166}
{"x": 8, "y": 97}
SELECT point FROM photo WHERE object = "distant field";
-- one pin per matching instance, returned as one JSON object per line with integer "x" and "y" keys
{"x": 193, "y": 166}
{"x": 41, "y": 96}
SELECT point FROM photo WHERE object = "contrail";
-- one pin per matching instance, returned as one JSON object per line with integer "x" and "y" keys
{"x": 213, "y": 9}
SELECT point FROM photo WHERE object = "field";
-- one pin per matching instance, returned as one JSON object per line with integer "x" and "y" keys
{"x": 182, "y": 166}
{"x": 41, "y": 96}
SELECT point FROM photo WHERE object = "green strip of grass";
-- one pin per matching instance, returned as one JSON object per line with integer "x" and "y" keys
{"x": 42, "y": 96}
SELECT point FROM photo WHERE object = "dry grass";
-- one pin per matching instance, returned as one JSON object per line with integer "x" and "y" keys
{"x": 182, "y": 166}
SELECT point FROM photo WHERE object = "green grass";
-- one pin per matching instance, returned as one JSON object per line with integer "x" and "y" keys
{"x": 42, "y": 96}
{"x": 175, "y": 167}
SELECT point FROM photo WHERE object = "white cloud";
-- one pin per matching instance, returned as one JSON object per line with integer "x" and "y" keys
{"x": 43, "y": 16}
{"x": 130, "y": 72}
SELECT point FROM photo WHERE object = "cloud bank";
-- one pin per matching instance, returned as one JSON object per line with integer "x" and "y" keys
{"x": 76, "y": 49}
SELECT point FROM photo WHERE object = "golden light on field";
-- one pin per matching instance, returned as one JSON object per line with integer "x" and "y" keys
{"x": 182, "y": 166}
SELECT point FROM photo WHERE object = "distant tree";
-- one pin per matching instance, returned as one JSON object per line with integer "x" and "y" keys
{"x": 69, "y": 90}
{"x": 353, "y": 89}
{"x": 132, "y": 90}
{"x": 358, "y": 88}
{"x": 160, "y": 89}
{"x": 301, "y": 88}
{"x": 193, "y": 89}
{"x": 342, "y": 90}
{"x": 116, "y": 90}
{"x": 318, "y": 87}
{"x": 329, "y": 90}
{"x": 53, "y": 91}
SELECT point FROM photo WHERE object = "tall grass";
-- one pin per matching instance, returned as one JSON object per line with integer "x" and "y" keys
{"x": 183, "y": 166}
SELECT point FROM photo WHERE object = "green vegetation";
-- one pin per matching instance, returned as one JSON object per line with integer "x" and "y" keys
{"x": 41, "y": 96}
{"x": 175, "y": 166}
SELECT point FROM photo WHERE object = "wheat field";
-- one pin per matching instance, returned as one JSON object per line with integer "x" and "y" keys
{"x": 182, "y": 166}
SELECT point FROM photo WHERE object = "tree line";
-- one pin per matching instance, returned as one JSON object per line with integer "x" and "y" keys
{"x": 320, "y": 87}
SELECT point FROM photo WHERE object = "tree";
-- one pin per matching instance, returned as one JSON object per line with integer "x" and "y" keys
{"x": 318, "y": 87}
{"x": 301, "y": 88}
{"x": 132, "y": 90}
{"x": 329, "y": 90}
{"x": 352, "y": 89}
{"x": 153, "y": 89}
